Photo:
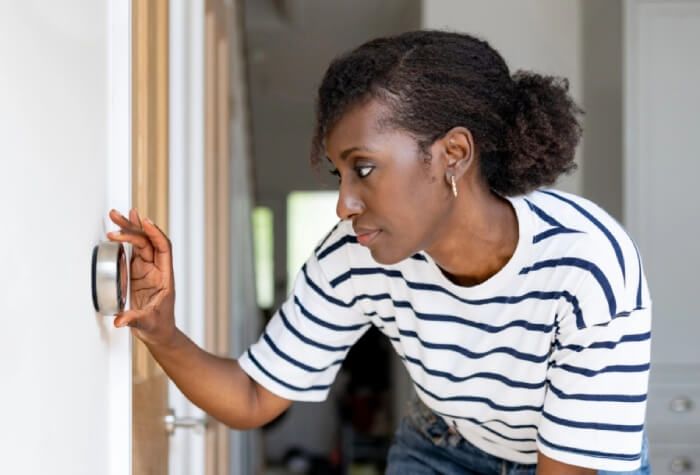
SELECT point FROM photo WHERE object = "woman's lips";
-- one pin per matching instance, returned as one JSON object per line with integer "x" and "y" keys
{"x": 367, "y": 237}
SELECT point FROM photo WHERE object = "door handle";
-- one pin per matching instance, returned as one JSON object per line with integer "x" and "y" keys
{"x": 199, "y": 424}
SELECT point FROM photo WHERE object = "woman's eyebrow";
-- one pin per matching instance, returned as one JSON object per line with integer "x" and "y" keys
{"x": 344, "y": 154}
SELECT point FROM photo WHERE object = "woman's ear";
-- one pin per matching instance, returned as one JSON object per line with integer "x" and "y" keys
{"x": 459, "y": 152}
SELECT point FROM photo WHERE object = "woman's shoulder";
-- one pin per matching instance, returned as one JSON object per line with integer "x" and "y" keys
{"x": 589, "y": 225}
{"x": 597, "y": 248}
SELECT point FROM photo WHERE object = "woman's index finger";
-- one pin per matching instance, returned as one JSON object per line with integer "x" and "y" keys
{"x": 162, "y": 257}
{"x": 119, "y": 219}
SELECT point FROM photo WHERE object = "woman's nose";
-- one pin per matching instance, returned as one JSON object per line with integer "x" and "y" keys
{"x": 349, "y": 204}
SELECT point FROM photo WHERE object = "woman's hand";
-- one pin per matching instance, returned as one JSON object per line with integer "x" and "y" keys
{"x": 151, "y": 314}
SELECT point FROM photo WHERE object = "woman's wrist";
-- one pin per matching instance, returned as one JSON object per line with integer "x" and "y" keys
{"x": 174, "y": 340}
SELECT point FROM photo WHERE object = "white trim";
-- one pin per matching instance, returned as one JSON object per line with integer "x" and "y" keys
{"x": 196, "y": 169}
{"x": 179, "y": 442}
{"x": 186, "y": 207}
{"x": 119, "y": 196}
{"x": 195, "y": 209}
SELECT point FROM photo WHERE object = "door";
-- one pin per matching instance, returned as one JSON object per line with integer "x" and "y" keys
{"x": 662, "y": 163}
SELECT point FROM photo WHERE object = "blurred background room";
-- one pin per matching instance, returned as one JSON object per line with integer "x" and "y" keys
{"x": 200, "y": 113}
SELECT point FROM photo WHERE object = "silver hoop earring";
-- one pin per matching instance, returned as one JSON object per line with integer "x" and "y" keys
{"x": 454, "y": 185}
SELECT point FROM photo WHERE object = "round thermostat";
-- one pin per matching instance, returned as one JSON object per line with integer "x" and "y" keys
{"x": 110, "y": 279}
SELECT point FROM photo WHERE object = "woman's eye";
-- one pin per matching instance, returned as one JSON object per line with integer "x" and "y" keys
{"x": 363, "y": 172}
{"x": 335, "y": 173}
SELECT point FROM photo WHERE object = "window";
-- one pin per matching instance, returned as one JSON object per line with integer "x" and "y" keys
{"x": 310, "y": 216}
{"x": 263, "y": 247}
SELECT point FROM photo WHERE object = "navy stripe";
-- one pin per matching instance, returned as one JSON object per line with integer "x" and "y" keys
{"x": 484, "y": 375}
{"x": 317, "y": 387}
{"x": 512, "y": 439}
{"x": 598, "y": 397}
{"x": 330, "y": 233}
{"x": 483, "y": 400}
{"x": 474, "y": 355}
{"x": 529, "y": 326}
{"x": 347, "y": 239}
{"x": 552, "y": 232}
{"x": 323, "y": 323}
{"x": 321, "y": 293}
{"x": 607, "y": 369}
{"x": 606, "y": 344}
{"x": 502, "y": 299}
{"x": 475, "y": 421}
{"x": 521, "y": 451}
{"x": 598, "y": 224}
{"x": 593, "y": 425}
{"x": 340, "y": 303}
{"x": 373, "y": 297}
{"x": 499, "y": 435}
{"x": 639, "y": 278}
{"x": 582, "y": 264}
{"x": 507, "y": 299}
{"x": 483, "y": 425}
{"x": 387, "y": 319}
{"x": 542, "y": 215}
{"x": 307, "y": 340}
{"x": 590, "y": 453}
{"x": 364, "y": 271}
{"x": 557, "y": 227}
{"x": 295, "y": 362}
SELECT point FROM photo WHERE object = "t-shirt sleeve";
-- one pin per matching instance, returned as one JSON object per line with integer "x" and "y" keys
{"x": 302, "y": 347}
{"x": 594, "y": 408}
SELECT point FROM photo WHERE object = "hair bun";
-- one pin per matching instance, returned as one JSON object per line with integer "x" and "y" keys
{"x": 544, "y": 133}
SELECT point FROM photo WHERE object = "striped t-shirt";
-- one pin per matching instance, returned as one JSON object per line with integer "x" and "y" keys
{"x": 551, "y": 353}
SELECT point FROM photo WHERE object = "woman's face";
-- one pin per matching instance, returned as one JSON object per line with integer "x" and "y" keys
{"x": 398, "y": 202}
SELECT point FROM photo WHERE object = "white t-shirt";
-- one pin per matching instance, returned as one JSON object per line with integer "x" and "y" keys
{"x": 550, "y": 354}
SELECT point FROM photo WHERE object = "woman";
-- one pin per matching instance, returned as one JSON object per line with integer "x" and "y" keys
{"x": 522, "y": 314}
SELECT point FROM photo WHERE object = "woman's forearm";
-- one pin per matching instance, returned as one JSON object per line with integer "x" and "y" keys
{"x": 217, "y": 385}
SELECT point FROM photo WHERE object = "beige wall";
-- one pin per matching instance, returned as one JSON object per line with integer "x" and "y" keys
{"x": 579, "y": 40}
{"x": 602, "y": 99}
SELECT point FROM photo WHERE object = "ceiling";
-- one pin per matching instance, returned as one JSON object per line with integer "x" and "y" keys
{"x": 289, "y": 45}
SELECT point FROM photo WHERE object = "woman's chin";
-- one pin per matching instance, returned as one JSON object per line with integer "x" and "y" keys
{"x": 386, "y": 257}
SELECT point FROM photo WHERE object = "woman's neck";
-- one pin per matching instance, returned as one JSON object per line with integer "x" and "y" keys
{"x": 478, "y": 239}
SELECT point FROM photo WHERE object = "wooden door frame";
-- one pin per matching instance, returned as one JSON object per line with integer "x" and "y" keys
{"x": 150, "y": 194}
{"x": 217, "y": 214}
{"x": 150, "y": 175}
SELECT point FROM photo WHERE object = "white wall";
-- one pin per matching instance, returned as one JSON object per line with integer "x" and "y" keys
{"x": 539, "y": 35}
{"x": 55, "y": 356}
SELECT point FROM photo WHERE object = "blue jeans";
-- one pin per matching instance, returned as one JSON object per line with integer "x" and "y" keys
{"x": 425, "y": 445}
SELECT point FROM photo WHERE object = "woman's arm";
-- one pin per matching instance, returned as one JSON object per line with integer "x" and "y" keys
{"x": 217, "y": 385}
{"x": 548, "y": 466}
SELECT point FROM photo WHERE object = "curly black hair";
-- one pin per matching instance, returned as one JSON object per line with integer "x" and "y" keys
{"x": 525, "y": 127}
